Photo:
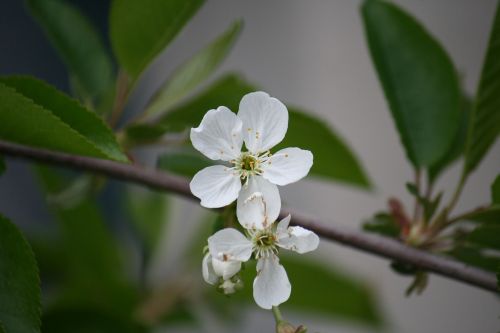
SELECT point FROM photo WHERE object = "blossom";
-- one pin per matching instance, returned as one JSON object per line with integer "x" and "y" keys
{"x": 261, "y": 123}
{"x": 271, "y": 286}
{"x": 221, "y": 273}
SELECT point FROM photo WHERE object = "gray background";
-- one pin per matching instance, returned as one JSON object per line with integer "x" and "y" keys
{"x": 313, "y": 54}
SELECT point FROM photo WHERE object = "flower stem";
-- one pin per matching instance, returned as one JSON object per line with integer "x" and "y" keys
{"x": 277, "y": 314}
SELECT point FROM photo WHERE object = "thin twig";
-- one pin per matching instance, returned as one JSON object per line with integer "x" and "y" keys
{"x": 373, "y": 244}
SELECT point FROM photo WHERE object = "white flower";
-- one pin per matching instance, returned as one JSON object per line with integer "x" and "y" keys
{"x": 221, "y": 273}
{"x": 261, "y": 123}
{"x": 271, "y": 286}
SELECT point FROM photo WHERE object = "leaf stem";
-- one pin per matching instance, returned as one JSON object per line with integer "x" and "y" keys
{"x": 416, "y": 213}
{"x": 465, "y": 215}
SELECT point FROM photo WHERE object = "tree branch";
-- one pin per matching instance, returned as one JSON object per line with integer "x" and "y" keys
{"x": 373, "y": 244}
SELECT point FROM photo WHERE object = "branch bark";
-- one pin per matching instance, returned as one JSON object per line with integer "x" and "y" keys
{"x": 374, "y": 244}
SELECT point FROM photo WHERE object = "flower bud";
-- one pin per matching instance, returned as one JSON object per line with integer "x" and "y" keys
{"x": 284, "y": 327}
{"x": 230, "y": 286}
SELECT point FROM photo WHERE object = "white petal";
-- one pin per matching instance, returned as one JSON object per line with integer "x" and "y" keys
{"x": 216, "y": 186}
{"x": 287, "y": 166}
{"x": 229, "y": 244}
{"x": 226, "y": 269}
{"x": 258, "y": 204}
{"x": 265, "y": 121}
{"x": 271, "y": 286}
{"x": 219, "y": 135}
{"x": 298, "y": 239}
{"x": 207, "y": 270}
{"x": 283, "y": 225}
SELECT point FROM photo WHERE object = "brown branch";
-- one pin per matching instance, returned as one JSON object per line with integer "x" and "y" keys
{"x": 373, "y": 244}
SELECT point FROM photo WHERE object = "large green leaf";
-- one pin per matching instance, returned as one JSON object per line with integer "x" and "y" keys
{"x": 485, "y": 119}
{"x": 320, "y": 290}
{"x": 78, "y": 43}
{"x": 95, "y": 273}
{"x": 332, "y": 157}
{"x": 142, "y": 29}
{"x": 489, "y": 214}
{"x": 475, "y": 256}
{"x": 19, "y": 283}
{"x": 194, "y": 71}
{"x": 419, "y": 81}
{"x": 486, "y": 236}
{"x": 36, "y": 114}
{"x": 457, "y": 148}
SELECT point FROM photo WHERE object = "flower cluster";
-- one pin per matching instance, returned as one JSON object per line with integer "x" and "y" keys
{"x": 250, "y": 177}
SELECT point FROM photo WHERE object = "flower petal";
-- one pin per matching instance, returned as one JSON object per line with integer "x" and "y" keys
{"x": 283, "y": 225}
{"x": 271, "y": 286}
{"x": 298, "y": 239}
{"x": 219, "y": 135}
{"x": 258, "y": 204}
{"x": 265, "y": 121}
{"x": 216, "y": 186}
{"x": 226, "y": 269}
{"x": 229, "y": 244}
{"x": 207, "y": 270}
{"x": 287, "y": 166}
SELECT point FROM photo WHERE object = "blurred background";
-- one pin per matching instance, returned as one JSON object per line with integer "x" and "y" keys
{"x": 310, "y": 54}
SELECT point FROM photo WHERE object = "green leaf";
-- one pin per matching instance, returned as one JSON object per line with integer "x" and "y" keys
{"x": 383, "y": 224}
{"x": 143, "y": 134}
{"x": 149, "y": 214}
{"x": 485, "y": 118}
{"x": 78, "y": 43}
{"x": 495, "y": 191}
{"x": 473, "y": 256}
{"x": 486, "y": 236}
{"x": 194, "y": 71}
{"x": 412, "y": 188}
{"x": 36, "y": 114}
{"x": 19, "y": 283}
{"x": 85, "y": 320}
{"x": 404, "y": 268}
{"x": 344, "y": 297}
{"x": 320, "y": 290}
{"x": 142, "y": 29}
{"x": 457, "y": 148}
{"x": 419, "y": 81}
{"x": 485, "y": 215}
{"x": 95, "y": 273}
{"x": 184, "y": 163}
{"x": 333, "y": 159}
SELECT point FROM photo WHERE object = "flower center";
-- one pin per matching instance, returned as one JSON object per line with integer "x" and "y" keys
{"x": 248, "y": 164}
{"x": 264, "y": 243}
